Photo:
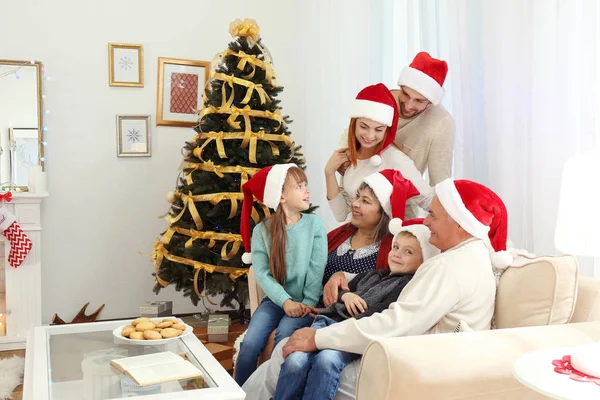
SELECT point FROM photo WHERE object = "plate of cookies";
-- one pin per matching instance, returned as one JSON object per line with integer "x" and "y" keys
{"x": 151, "y": 331}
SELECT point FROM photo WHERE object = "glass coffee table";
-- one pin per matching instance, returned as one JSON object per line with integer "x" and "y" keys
{"x": 68, "y": 362}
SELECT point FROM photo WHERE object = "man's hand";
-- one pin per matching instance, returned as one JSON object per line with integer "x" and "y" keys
{"x": 337, "y": 160}
{"x": 330, "y": 290}
{"x": 354, "y": 304}
{"x": 293, "y": 309}
{"x": 301, "y": 340}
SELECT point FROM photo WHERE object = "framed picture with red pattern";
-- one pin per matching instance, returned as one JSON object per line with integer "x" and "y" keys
{"x": 180, "y": 87}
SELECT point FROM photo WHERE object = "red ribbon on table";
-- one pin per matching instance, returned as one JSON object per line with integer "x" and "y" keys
{"x": 564, "y": 366}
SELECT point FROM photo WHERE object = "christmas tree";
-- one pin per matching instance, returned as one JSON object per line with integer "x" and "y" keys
{"x": 240, "y": 130}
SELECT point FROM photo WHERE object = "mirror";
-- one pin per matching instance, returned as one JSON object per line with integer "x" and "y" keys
{"x": 21, "y": 129}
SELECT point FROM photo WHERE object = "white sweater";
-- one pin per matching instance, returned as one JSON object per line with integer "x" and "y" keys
{"x": 455, "y": 285}
{"x": 391, "y": 158}
{"x": 429, "y": 141}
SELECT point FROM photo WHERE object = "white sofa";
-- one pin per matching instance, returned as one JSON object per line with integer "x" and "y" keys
{"x": 541, "y": 302}
{"x": 478, "y": 365}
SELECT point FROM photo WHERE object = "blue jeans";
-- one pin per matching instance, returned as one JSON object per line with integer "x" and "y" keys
{"x": 265, "y": 319}
{"x": 312, "y": 375}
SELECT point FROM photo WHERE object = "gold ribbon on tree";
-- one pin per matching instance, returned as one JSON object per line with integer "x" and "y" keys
{"x": 229, "y": 238}
{"x": 219, "y": 170}
{"x": 218, "y": 137}
{"x": 254, "y": 62}
{"x": 245, "y": 113}
{"x": 188, "y": 203}
{"x": 231, "y": 80}
{"x": 160, "y": 253}
{"x": 245, "y": 28}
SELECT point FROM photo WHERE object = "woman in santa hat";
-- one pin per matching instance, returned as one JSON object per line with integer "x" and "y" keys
{"x": 371, "y": 134}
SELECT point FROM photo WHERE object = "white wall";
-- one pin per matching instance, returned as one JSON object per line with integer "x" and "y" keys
{"x": 103, "y": 210}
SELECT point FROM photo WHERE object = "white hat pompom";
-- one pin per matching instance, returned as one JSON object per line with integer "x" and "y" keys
{"x": 375, "y": 160}
{"x": 395, "y": 226}
{"x": 247, "y": 258}
{"x": 501, "y": 259}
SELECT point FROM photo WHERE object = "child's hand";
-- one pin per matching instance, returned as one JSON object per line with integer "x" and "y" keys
{"x": 313, "y": 311}
{"x": 354, "y": 304}
{"x": 293, "y": 309}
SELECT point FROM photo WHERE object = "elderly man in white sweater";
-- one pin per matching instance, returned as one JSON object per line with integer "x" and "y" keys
{"x": 468, "y": 223}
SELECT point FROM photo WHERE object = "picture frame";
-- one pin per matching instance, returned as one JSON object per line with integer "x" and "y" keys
{"x": 125, "y": 65}
{"x": 181, "y": 85}
{"x": 134, "y": 138}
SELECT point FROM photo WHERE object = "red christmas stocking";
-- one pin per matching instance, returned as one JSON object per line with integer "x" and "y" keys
{"x": 20, "y": 244}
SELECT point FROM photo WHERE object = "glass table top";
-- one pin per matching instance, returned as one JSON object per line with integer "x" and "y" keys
{"x": 79, "y": 367}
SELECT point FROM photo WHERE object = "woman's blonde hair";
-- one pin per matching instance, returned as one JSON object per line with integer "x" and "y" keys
{"x": 276, "y": 225}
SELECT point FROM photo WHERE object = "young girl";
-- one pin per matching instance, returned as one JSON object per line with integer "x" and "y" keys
{"x": 289, "y": 251}
{"x": 317, "y": 375}
{"x": 371, "y": 134}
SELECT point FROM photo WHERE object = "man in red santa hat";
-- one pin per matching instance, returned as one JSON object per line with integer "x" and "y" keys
{"x": 468, "y": 223}
{"x": 425, "y": 128}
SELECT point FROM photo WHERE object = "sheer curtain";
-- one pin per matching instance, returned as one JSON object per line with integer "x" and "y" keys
{"x": 523, "y": 88}
{"x": 338, "y": 52}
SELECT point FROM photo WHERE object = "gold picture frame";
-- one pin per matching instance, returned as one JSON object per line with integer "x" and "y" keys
{"x": 129, "y": 71}
{"x": 181, "y": 85}
{"x": 134, "y": 138}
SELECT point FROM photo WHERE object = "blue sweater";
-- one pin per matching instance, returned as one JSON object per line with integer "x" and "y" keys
{"x": 306, "y": 255}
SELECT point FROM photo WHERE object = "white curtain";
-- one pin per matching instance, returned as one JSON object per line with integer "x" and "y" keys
{"x": 338, "y": 52}
{"x": 523, "y": 88}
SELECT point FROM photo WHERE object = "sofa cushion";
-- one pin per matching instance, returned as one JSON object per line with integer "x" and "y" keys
{"x": 537, "y": 291}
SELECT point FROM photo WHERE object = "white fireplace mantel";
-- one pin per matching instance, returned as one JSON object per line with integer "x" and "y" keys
{"x": 23, "y": 284}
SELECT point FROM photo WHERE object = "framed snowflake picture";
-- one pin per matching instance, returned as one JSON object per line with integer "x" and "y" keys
{"x": 125, "y": 65}
{"x": 180, "y": 88}
{"x": 133, "y": 136}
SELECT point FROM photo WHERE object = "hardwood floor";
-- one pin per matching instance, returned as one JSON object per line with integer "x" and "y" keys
{"x": 18, "y": 392}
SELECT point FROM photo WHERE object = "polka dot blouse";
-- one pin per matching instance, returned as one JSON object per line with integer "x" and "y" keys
{"x": 346, "y": 259}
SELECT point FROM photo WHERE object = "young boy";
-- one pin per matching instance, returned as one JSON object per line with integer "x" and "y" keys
{"x": 317, "y": 375}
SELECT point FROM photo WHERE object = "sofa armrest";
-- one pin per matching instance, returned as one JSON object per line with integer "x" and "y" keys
{"x": 473, "y": 365}
{"x": 587, "y": 307}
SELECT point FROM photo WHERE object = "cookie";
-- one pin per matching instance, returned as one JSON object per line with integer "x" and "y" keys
{"x": 164, "y": 324}
{"x": 180, "y": 327}
{"x": 138, "y": 320}
{"x": 152, "y": 335}
{"x": 137, "y": 336}
{"x": 173, "y": 320}
{"x": 169, "y": 333}
{"x": 127, "y": 331}
{"x": 145, "y": 326}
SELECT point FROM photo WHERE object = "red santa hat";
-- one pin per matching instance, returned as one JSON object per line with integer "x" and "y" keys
{"x": 266, "y": 185}
{"x": 426, "y": 75}
{"x": 480, "y": 212}
{"x": 421, "y": 232}
{"x": 392, "y": 190}
{"x": 376, "y": 102}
